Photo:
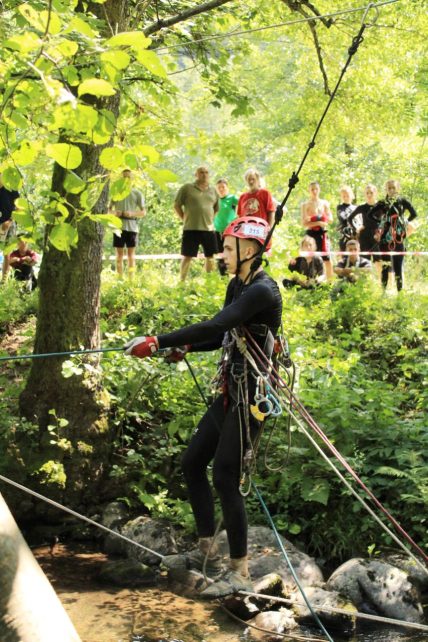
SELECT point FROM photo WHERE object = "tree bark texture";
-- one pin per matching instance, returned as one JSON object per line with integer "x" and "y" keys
{"x": 68, "y": 319}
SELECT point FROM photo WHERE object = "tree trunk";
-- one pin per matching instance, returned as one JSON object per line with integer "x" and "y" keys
{"x": 68, "y": 319}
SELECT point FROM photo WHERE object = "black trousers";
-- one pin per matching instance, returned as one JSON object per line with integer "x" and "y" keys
{"x": 218, "y": 438}
{"x": 397, "y": 266}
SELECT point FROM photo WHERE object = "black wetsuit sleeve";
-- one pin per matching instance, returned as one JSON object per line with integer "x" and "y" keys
{"x": 377, "y": 211}
{"x": 255, "y": 298}
{"x": 409, "y": 207}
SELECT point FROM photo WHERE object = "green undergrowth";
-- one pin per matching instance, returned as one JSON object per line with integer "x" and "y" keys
{"x": 361, "y": 371}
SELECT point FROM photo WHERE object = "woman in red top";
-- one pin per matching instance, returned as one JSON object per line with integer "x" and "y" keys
{"x": 258, "y": 200}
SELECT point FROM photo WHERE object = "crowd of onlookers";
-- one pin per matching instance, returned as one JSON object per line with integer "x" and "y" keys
{"x": 370, "y": 234}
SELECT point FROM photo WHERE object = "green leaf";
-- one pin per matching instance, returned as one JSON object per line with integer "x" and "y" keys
{"x": 120, "y": 189}
{"x": 73, "y": 183}
{"x": 12, "y": 179}
{"x": 67, "y": 48}
{"x": 24, "y": 43}
{"x": 96, "y": 87}
{"x": 82, "y": 27}
{"x": 24, "y": 219}
{"x": 150, "y": 60}
{"x": 39, "y": 19}
{"x": 26, "y": 153}
{"x": 111, "y": 158}
{"x": 161, "y": 176}
{"x": 119, "y": 59}
{"x": 109, "y": 220}
{"x": 148, "y": 151}
{"x": 68, "y": 156}
{"x": 134, "y": 39}
{"x": 63, "y": 236}
{"x": 105, "y": 127}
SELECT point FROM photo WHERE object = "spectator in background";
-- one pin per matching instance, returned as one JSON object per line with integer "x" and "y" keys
{"x": 196, "y": 204}
{"x": 315, "y": 216}
{"x": 392, "y": 230}
{"x": 352, "y": 266}
{"x": 7, "y": 224}
{"x": 225, "y": 215}
{"x": 129, "y": 210}
{"x": 258, "y": 200}
{"x": 22, "y": 261}
{"x": 344, "y": 210}
{"x": 309, "y": 266}
{"x": 367, "y": 229}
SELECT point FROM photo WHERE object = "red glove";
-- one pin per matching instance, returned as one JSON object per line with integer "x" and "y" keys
{"x": 142, "y": 347}
{"x": 174, "y": 355}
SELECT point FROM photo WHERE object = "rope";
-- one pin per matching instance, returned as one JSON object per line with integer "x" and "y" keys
{"x": 304, "y": 414}
{"x": 351, "y": 614}
{"x": 294, "y": 179}
{"x": 233, "y": 34}
{"x": 79, "y": 515}
{"x": 59, "y": 354}
{"x": 290, "y": 566}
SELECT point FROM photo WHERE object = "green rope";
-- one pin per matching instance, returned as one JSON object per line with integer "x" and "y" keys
{"x": 59, "y": 354}
{"x": 287, "y": 559}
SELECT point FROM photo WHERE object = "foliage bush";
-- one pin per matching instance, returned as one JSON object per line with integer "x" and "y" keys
{"x": 362, "y": 373}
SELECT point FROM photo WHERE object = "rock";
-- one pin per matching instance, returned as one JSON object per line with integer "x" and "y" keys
{"x": 416, "y": 575}
{"x": 329, "y": 599}
{"x": 128, "y": 573}
{"x": 266, "y": 557}
{"x": 114, "y": 513}
{"x": 151, "y": 533}
{"x": 378, "y": 587}
{"x": 274, "y": 622}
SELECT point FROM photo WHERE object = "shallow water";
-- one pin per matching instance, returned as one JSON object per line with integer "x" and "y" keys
{"x": 109, "y": 614}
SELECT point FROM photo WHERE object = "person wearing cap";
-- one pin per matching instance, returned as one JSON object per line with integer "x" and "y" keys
{"x": 228, "y": 429}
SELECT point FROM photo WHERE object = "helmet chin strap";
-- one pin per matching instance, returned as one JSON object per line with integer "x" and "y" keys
{"x": 240, "y": 262}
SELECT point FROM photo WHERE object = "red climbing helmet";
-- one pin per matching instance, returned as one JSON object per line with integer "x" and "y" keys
{"x": 248, "y": 227}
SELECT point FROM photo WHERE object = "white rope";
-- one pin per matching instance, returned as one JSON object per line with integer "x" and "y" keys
{"x": 328, "y": 609}
{"x": 232, "y": 34}
{"x": 79, "y": 516}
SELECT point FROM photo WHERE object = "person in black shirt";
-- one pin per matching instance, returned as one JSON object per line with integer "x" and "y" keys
{"x": 367, "y": 229}
{"x": 344, "y": 210}
{"x": 392, "y": 230}
{"x": 309, "y": 266}
{"x": 228, "y": 428}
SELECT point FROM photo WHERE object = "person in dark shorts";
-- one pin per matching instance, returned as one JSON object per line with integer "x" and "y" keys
{"x": 196, "y": 204}
{"x": 226, "y": 432}
{"x": 129, "y": 209}
{"x": 316, "y": 215}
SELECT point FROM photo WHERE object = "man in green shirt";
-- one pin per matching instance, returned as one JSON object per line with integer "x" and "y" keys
{"x": 129, "y": 209}
{"x": 196, "y": 204}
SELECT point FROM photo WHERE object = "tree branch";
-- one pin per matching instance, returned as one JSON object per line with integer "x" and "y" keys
{"x": 184, "y": 15}
{"x": 296, "y": 5}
